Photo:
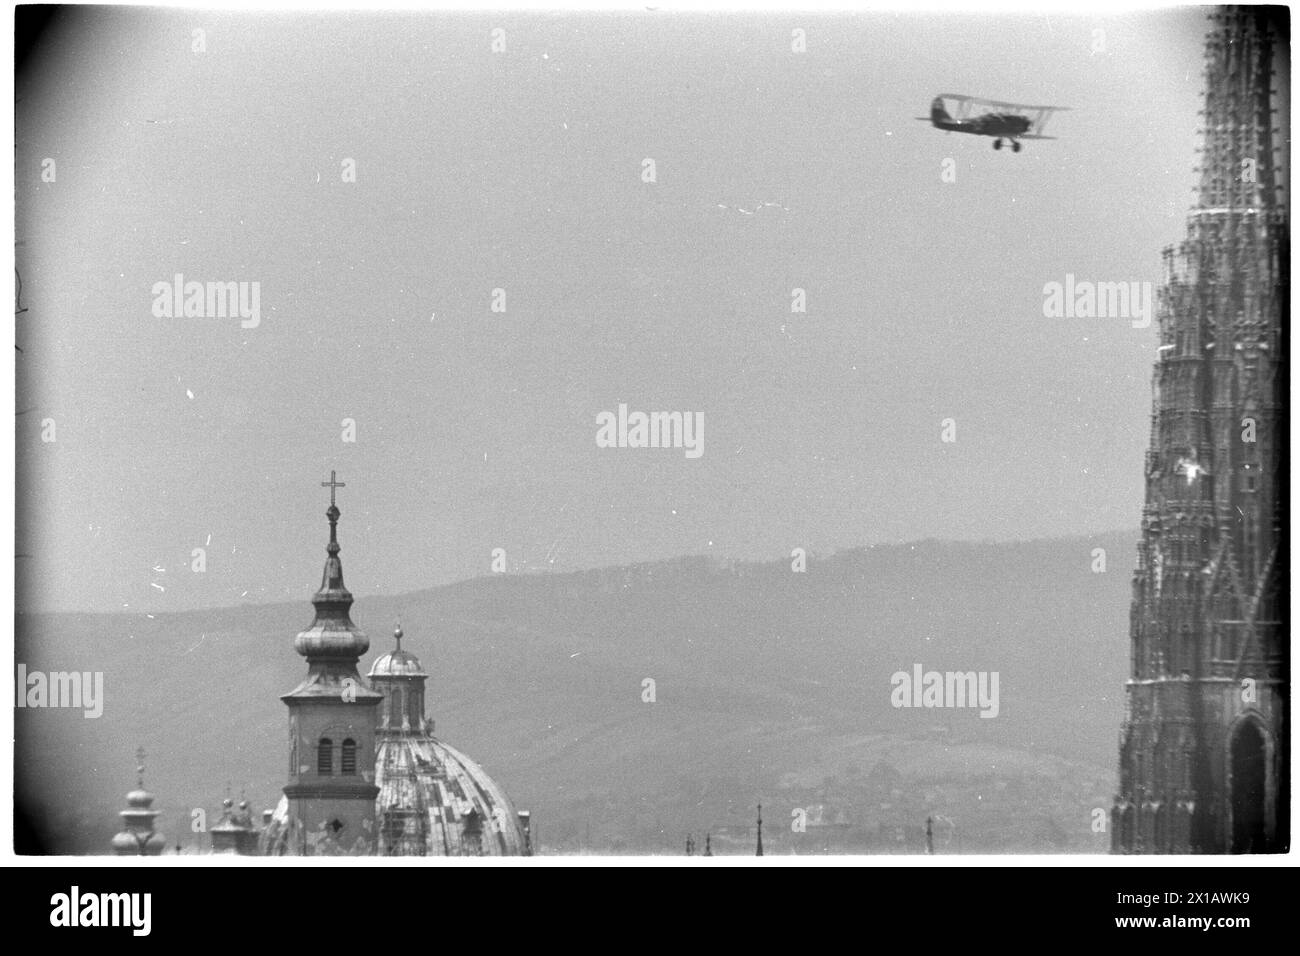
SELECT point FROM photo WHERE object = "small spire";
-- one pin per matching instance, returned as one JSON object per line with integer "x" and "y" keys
{"x": 760, "y": 831}
{"x": 333, "y": 600}
{"x": 708, "y": 845}
{"x": 332, "y": 636}
{"x": 397, "y": 635}
{"x": 332, "y": 549}
{"x": 139, "y": 770}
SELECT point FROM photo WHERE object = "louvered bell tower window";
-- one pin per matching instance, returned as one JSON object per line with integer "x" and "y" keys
{"x": 325, "y": 757}
{"x": 349, "y": 765}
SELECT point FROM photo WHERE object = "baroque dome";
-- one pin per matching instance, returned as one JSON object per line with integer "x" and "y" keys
{"x": 435, "y": 801}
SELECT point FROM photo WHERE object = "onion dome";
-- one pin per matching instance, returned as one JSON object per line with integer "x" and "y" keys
{"x": 332, "y": 644}
{"x": 138, "y": 837}
{"x": 332, "y": 635}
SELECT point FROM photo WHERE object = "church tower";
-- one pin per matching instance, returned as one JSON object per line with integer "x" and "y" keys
{"x": 138, "y": 836}
{"x": 332, "y": 719}
{"x": 1204, "y": 746}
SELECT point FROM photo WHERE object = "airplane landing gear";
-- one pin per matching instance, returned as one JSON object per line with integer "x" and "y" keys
{"x": 997, "y": 144}
{"x": 1015, "y": 147}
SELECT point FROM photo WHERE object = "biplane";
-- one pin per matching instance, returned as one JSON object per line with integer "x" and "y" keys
{"x": 1003, "y": 121}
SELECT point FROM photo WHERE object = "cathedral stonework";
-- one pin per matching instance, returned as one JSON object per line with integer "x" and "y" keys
{"x": 1204, "y": 746}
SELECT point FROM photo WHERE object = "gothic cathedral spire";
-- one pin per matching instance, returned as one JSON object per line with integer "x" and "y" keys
{"x": 1203, "y": 751}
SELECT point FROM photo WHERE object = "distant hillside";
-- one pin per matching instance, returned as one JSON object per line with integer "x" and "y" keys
{"x": 771, "y": 687}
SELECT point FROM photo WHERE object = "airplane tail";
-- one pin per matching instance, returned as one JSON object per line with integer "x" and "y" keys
{"x": 937, "y": 113}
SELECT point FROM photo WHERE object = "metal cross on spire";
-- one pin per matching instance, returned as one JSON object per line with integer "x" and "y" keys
{"x": 332, "y": 484}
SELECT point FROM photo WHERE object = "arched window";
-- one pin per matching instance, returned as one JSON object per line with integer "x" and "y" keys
{"x": 1249, "y": 790}
{"x": 325, "y": 757}
{"x": 349, "y": 763}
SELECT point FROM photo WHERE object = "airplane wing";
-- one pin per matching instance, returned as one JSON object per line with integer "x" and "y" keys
{"x": 961, "y": 104}
{"x": 980, "y": 101}
{"x": 964, "y": 104}
{"x": 1044, "y": 113}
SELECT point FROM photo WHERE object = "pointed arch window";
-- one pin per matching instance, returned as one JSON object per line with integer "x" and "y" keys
{"x": 325, "y": 757}
{"x": 349, "y": 761}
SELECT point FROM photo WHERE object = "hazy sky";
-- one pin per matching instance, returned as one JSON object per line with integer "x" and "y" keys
{"x": 522, "y": 170}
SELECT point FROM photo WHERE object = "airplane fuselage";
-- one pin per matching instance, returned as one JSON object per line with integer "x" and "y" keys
{"x": 1009, "y": 125}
